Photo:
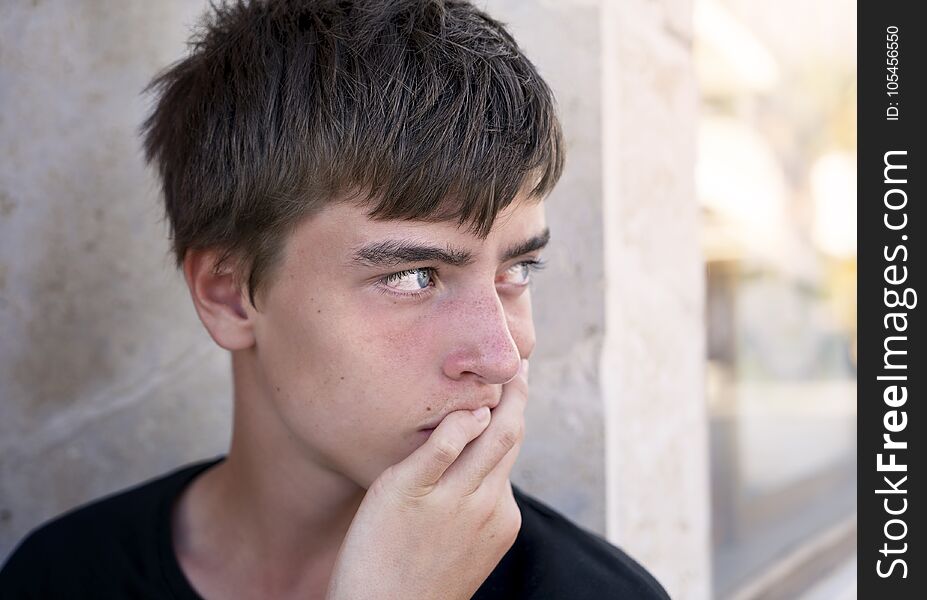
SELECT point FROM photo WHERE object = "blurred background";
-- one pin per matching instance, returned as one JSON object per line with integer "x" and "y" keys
{"x": 693, "y": 393}
{"x": 776, "y": 187}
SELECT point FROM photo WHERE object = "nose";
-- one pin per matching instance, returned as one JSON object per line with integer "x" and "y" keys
{"x": 483, "y": 341}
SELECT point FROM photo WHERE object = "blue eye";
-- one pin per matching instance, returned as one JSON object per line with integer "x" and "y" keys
{"x": 522, "y": 270}
{"x": 410, "y": 281}
{"x": 420, "y": 281}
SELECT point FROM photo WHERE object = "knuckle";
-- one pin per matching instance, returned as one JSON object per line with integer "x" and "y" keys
{"x": 509, "y": 436}
{"x": 446, "y": 451}
{"x": 414, "y": 499}
{"x": 406, "y": 497}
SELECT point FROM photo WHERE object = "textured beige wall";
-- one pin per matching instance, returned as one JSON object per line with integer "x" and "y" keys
{"x": 106, "y": 377}
{"x": 653, "y": 354}
{"x": 563, "y": 459}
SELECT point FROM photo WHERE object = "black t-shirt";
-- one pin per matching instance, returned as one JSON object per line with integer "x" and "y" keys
{"x": 120, "y": 547}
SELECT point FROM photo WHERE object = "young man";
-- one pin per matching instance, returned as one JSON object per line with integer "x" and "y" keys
{"x": 355, "y": 192}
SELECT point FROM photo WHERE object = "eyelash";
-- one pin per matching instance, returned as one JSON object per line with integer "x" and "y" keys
{"x": 532, "y": 264}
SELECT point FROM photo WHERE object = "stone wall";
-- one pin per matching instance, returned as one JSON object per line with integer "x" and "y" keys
{"x": 653, "y": 357}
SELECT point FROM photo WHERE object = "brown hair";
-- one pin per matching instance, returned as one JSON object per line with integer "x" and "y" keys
{"x": 426, "y": 109}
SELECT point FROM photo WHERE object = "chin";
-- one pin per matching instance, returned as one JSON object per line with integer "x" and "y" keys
{"x": 364, "y": 472}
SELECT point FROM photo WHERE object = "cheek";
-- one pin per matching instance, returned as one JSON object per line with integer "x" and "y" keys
{"x": 521, "y": 324}
{"x": 408, "y": 348}
{"x": 311, "y": 359}
{"x": 399, "y": 345}
{"x": 346, "y": 394}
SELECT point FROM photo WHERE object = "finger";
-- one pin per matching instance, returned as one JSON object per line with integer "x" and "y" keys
{"x": 498, "y": 478}
{"x": 505, "y": 432}
{"x": 499, "y": 474}
{"x": 422, "y": 469}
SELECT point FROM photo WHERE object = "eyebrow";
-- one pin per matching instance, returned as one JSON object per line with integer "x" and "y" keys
{"x": 394, "y": 252}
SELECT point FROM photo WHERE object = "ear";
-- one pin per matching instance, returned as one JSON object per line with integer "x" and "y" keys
{"x": 218, "y": 300}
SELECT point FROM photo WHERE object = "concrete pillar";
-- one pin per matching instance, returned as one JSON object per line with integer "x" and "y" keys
{"x": 106, "y": 375}
{"x": 653, "y": 356}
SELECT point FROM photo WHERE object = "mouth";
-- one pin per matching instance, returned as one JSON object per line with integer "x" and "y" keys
{"x": 428, "y": 430}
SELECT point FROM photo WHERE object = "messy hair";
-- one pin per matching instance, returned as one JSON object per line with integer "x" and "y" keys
{"x": 415, "y": 109}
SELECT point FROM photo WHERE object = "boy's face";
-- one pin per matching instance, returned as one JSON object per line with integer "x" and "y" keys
{"x": 361, "y": 344}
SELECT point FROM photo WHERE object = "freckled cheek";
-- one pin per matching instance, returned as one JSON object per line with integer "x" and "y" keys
{"x": 400, "y": 345}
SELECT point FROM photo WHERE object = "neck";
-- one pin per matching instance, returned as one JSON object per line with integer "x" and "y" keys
{"x": 270, "y": 512}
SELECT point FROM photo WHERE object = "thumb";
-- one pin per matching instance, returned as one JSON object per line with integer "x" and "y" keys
{"x": 421, "y": 470}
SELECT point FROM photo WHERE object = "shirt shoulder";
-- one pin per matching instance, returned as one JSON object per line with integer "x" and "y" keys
{"x": 108, "y": 546}
{"x": 552, "y": 558}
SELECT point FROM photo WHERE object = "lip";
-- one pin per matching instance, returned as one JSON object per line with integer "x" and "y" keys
{"x": 435, "y": 424}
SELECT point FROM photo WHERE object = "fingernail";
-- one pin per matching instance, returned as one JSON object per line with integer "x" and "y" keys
{"x": 481, "y": 413}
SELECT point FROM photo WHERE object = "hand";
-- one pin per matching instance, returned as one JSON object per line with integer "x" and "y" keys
{"x": 435, "y": 525}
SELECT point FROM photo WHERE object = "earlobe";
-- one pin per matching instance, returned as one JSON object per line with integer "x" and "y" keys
{"x": 218, "y": 300}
